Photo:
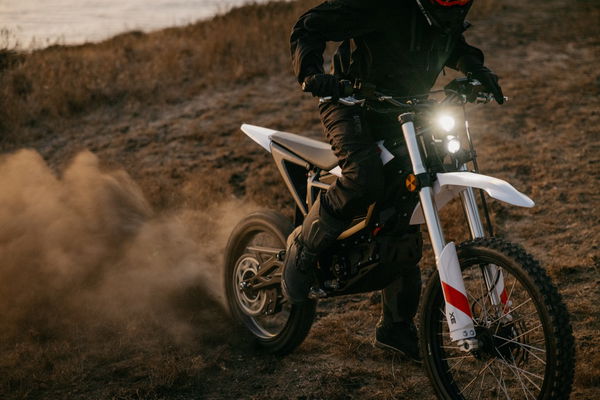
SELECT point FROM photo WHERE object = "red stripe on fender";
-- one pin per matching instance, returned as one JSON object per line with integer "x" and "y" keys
{"x": 456, "y": 298}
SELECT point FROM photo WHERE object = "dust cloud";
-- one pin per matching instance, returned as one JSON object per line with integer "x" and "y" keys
{"x": 86, "y": 249}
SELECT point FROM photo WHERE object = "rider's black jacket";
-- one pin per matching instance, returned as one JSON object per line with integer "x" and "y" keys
{"x": 394, "y": 47}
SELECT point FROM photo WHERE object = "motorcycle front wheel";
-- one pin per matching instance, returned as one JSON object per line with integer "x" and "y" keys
{"x": 253, "y": 264}
{"x": 528, "y": 354}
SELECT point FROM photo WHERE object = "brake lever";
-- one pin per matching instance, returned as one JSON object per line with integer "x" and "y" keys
{"x": 347, "y": 101}
{"x": 484, "y": 98}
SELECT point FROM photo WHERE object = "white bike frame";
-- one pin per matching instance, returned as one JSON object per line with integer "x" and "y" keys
{"x": 445, "y": 187}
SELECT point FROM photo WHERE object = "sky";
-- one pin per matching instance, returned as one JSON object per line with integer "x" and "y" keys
{"x": 38, "y": 23}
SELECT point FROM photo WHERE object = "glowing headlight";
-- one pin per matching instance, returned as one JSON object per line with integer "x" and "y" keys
{"x": 446, "y": 122}
{"x": 452, "y": 144}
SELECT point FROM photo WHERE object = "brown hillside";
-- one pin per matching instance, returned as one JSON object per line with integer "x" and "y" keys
{"x": 106, "y": 288}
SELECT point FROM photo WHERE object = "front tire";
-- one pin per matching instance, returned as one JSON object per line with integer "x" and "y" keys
{"x": 257, "y": 242}
{"x": 529, "y": 355}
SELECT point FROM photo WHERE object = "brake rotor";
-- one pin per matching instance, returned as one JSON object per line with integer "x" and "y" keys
{"x": 252, "y": 302}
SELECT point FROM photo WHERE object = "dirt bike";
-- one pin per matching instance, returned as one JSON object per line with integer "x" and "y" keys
{"x": 492, "y": 324}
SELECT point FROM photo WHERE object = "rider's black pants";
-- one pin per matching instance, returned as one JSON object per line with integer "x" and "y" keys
{"x": 400, "y": 300}
{"x": 352, "y": 133}
{"x": 362, "y": 181}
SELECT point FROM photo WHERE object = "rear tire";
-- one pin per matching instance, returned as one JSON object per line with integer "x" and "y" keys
{"x": 255, "y": 242}
{"x": 530, "y": 356}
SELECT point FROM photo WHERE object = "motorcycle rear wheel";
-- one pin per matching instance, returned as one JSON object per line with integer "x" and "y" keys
{"x": 528, "y": 357}
{"x": 257, "y": 242}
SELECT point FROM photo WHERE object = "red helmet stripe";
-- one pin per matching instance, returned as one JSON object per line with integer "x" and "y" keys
{"x": 450, "y": 3}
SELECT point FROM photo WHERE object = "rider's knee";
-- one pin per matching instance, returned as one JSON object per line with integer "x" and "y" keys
{"x": 365, "y": 173}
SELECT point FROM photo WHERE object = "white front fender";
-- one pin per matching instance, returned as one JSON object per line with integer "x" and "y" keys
{"x": 449, "y": 184}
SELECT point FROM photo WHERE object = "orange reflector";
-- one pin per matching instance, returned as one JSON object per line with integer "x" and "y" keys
{"x": 411, "y": 183}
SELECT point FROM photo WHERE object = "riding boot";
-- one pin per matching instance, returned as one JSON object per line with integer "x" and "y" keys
{"x": 400, "y": 300}
{"x": 319, "y": 231}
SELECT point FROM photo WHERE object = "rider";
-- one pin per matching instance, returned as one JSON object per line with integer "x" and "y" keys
{"x": 398, "y": 47}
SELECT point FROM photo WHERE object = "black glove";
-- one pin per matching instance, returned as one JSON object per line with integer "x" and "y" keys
{"x": 322, "y": 85}
{"x": 489, "y": 80}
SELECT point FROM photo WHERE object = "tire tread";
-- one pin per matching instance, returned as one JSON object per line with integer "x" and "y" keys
{"x": 561, "y": 377}
{"x": 301, "y": 317}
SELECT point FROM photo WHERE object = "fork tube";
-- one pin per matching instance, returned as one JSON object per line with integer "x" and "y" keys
{"x": 426, "y": 193}
{"x": 494, "y": 278}
{"x": 469, "y": 203}
{"x": 470, "y": 206}
{"x": 457, "y": 309}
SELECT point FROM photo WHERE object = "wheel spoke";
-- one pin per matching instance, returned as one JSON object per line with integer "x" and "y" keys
{"x": 525, "y": 347}
{"x": 525, "y": 372}
{"x": 532, "y": 382}
{"x": 525, "y": 375}
{"x": 522, "y": 318}
{"x": 514, "y": 309}
{"x": 481, "y": 386}
{"x": 483, "y": 308}
{"x": 501, "y": 384}
{"x": 476, "y": 376}
{"x": 457, "y": 357}
{"x": 523, "y": 334}
{"x": 513, "y": 368}
{"x": 508, "y": 299}
{"x": 458, "y": 363}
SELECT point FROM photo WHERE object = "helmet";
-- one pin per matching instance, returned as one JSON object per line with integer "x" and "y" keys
{"x": 445, "y": 14}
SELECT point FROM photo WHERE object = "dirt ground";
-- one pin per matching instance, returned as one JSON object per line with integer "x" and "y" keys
{"x": 196, "y": 170}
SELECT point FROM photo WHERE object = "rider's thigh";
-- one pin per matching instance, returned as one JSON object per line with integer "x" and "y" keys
{"x": 362, "y": 181}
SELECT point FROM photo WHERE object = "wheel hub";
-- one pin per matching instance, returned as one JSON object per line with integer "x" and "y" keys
{"x": 499, "y": 341}
{"x": 251, "y": 301}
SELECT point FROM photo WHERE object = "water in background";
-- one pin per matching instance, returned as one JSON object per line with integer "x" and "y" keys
{"x": 38, "y": 23}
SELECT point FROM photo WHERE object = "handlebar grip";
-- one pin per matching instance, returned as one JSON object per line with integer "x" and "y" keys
{"x": 346, "y": 87}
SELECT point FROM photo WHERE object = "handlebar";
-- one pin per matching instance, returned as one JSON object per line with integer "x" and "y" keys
{"x": 347, "y": 101}
{"x": 461, "y": 91}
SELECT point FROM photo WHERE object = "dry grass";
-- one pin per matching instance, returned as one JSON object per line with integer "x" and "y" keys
{"x": 137, "y": 68}
{"x": 173, "y": 124}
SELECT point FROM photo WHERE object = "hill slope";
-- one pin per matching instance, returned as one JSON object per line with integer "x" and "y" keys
{"x": 166, "y": 107}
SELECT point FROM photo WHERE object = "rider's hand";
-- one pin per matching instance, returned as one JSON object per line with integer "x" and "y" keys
{"x": 489, "y": 80}
{"x": 322, "y": 85}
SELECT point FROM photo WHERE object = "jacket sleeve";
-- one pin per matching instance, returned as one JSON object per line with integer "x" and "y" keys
{"x": 333, "y": 20}
{"x": 465, "y": 58}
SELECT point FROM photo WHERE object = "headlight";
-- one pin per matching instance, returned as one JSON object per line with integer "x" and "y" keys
{"x": 446, "y": 122}
{"x": 452, "y": 144}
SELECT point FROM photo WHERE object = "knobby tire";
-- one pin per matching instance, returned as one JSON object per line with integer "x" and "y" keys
{"x": 557, "y": 333}
{"x": 301, "y": 316}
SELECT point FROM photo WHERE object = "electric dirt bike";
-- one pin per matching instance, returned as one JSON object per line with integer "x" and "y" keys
{"x": 492, "y": 324}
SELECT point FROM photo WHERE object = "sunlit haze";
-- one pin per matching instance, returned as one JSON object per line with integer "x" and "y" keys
{"x": 35, "y": 23}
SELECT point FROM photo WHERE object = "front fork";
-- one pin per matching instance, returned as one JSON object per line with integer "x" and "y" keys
{"x": 494, "y": 279}
{"x": 457, "y": 309}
